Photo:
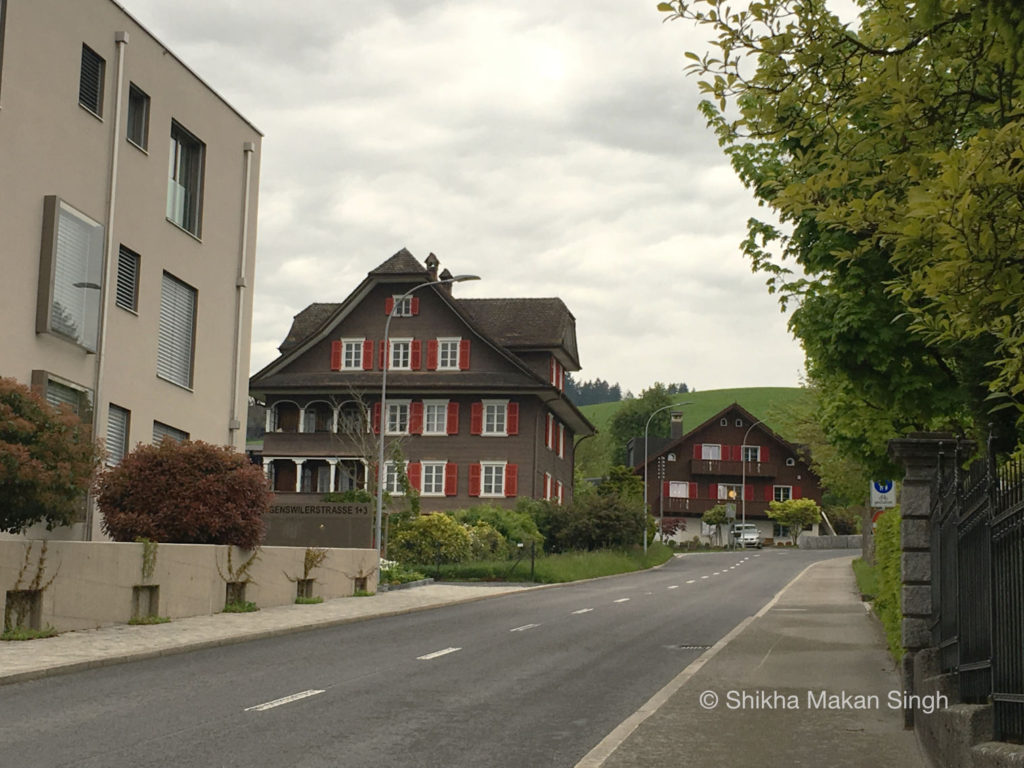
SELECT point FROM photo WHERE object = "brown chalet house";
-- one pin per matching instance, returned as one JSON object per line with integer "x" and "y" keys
{"x": 705, "y": 467}
{"x": 476, "y": 400}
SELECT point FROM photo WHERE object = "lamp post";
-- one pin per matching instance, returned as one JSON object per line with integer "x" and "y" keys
{"x": 646, "y": 430}
{"x": 743, "y": 474}
{"x": 381, "y": 473}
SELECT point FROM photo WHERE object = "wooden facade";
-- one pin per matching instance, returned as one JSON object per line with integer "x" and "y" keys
{"x": 476, "y": 405}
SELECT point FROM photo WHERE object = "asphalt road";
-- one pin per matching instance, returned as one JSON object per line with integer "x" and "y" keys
{"x": 531, "y": 679}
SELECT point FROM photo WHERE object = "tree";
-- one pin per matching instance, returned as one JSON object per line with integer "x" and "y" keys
{"x": 622, "y": 482}
{"x": 47, "y": 460}
{"x": 891, "y": 154}
{"x": 184, "y": 493}
{"x": 631, "y": 418}
{"x": 795, "y": 514}
{"x": 717, "y": 516}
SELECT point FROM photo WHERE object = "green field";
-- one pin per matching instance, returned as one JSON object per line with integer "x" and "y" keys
{"x": 593, "y": 457}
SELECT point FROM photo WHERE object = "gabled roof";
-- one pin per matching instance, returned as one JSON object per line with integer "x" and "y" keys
{"x": 306, "y": 322}
{"x": 402, "y": 263}
{"x": 526, "y": 323}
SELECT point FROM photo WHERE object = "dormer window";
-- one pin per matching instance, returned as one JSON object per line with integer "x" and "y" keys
{"x": 400, "y": 305}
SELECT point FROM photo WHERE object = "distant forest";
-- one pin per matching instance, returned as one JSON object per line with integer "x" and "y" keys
{"x": 600, "y": 391}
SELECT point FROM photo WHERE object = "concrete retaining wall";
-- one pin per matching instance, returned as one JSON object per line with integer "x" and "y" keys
{"x": 831, "y": 542}
{"x": 90, "y": 584}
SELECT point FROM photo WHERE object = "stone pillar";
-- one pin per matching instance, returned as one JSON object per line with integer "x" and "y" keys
{"x": 298, "y": 473}
{"x": 333, "y": 463}
{"x": 302, "y": 419}
{"x": 920, "y": 454}
{"x": 269, "y": 424}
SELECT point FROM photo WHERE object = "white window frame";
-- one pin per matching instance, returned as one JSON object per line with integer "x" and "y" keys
{"x": 355, "y": 346}
{"x": 790, "y": 462}
{"x": 449, "y": 362}
{"x": 755, "y": 450}
{"x": 678, "y": 489}
{"x": 561, "y": 493}
{"x": 440, "y": 422}
{"x": 436, "y": 486}
{"x": 561, "y": 440}
{"x": 398, "y": 408}
{"x": 499, "y": 409}
{"x": 548, "y": 486}
{"x": 493, "y": 473}
{"x": 392, "y": 484}
{"x": 711, "y": 451}
{"x": 723, "y": 491}
{"x": 785, "y": 491}
{"x": 397, "y": 349}
{"x": 403, "y": 307}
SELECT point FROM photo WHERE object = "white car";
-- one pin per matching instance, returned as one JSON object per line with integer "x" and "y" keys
{"x": 746, "y": 535}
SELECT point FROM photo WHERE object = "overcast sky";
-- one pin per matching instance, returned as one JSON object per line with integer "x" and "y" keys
{"x": 552, "y": 148}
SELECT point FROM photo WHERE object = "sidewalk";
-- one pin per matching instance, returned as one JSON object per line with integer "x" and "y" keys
{"x": 804, "y": 683}
{"x": 84, "y": 649}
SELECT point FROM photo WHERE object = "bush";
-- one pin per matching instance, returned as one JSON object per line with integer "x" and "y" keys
{"x": 486, "y": 542}
{"x": 592, "y": 521}
{"x": 47, "y": 460}
{"x": 887, "y": 567}
{"x": 184, "y": 493}
{"x": 429, "y": 538}
{"x": 516, "y": 525}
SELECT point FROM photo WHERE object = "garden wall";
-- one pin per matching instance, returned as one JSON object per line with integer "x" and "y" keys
{"x": 86, "y": 584}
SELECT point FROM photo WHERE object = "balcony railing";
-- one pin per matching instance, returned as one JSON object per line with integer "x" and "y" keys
{"x": 733, "y": 468}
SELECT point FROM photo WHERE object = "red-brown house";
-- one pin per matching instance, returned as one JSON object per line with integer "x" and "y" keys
{"x": 476, "y": 393}
{"x": 730, "y": 459}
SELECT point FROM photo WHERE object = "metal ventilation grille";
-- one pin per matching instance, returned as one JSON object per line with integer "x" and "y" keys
{"x": 90, "y": 85}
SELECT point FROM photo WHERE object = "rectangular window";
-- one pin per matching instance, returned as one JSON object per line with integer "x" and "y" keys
{"x": 70, "y": 274}
{"x": 711, "y": 451}
{"x": 398, "y": 418}
{"x": 185, "y": 180}
{"x": 90, "y": 81}
{"x": 494, "y": 417}
{"x": 448, "y": 354}
{"x": 403, "y": 307}
{"x": 492, "y": 479}
{"x": 118, "y": 423}
{"x": 176, "y": 336}
{"x": 401, "y": 354}
{"x": 561, "y": 441}
{"x": 163, "y": 432}
{"x": 127, "y": 295}
{"x": 783, "y": 492}
{"x": 435, "y": 417}
{"x": 393, "y": 478}
{"x": 352, "y": 353}
{"x": 78, "y": 399}
{"x": 752, "y": 453}
{"x": 730, "y": 492}
{"x": 678, "y": 490}
{"x": 433, "y": 478}
{"x": 137, "y": 130}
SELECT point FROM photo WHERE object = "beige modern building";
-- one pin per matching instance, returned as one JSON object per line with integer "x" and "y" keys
{"x": 127, "y": 228}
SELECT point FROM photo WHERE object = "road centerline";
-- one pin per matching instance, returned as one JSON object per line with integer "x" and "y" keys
{"x": 524, "y": 627}
{"x": 284, "y": 700}
{"x": 621, "y": 600}
{"x": 582, "y": 610}
{"x": 437, "y": 654}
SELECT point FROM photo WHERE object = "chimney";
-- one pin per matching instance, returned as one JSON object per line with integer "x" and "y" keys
{"x": 447, "y": 287}
{"x": 677, "y": 424}
{"x": 432, "y": 264}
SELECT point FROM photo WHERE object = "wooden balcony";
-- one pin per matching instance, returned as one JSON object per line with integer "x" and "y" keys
{"x": 732, "y": 468}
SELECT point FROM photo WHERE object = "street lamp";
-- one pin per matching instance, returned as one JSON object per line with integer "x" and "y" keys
{"x": 743, "y": 474}
{"x": 646, "y": 429}
{"x": 384, "y": 395}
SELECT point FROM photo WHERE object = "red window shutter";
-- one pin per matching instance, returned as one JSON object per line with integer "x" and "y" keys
{"x": 797, "y": 492}
{"x": 665, "y": 489}
{"x": 511, "y": 480}
{"x": 368, "y": 355}
{"x": 414, "y": 304}
{"x": 713, "y": 491}
{"x": 512, "y": 422}
{"x": 415, "y": 473}
{"x": 476, "y": 419}
{"x": 464, "y": 355}
{"x": 453, "y": 419}
{"x": 726, "y": 452}
{"x": 764, "y": 453}
{"x": 376, "y": 418}
{"x": 335, "y": 355}
{"x": 697, "y": 449}
{"x": 432, "y": 355}
{"x": 451, "y": 479}
{"x": 416, "y": 417}
{"x": 748, "y": 492}
{"x": 389, "y": 305}
{"x": 416, "y": 355}
{"x": 474, "y": 479}
{"x": 737, "y": 453}
{"x": 769, "y": 493}
{"x": 380, "y": 357}
{"x": 693, "y": 491}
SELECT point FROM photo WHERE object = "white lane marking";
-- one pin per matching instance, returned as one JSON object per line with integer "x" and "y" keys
{"x": 674, "y": 586}
{"x": 286, "y": 700}
{"x": 691, "y": 581}
{"x": 524, "y": 627}
{"x": 621, "y": 600}
{"x": 716, "y": 573}
{"x": 582, "y": 610}
{"x": 732, "y": 567}
{"x": 792, "y": 610}
{"x": 436, "y": 654}
{"x": 705, "y": 577}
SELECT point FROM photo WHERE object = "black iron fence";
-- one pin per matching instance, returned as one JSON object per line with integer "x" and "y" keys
{"x": 978, "y": 585}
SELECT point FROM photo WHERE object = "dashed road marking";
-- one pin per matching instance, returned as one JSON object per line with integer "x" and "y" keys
{"x": 691, "y": 581}
{"x": 286, "y": 700}
{"x": 582, "y": 610}
{"x": 621, "y": 600}
{"x": 674, "y": 586}
{"x": 524, "y": 627}
{"x": 437, "y": 654}
{"x": 705, "y": 577}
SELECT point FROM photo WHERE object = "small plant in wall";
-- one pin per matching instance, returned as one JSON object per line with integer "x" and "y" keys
{"x": 235, "y": 581}
{"x": 23, "y": 603}
{"x": 144, "y": 620}
{"x": 149, "y": 548}
{"x": 313, "y": 558}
